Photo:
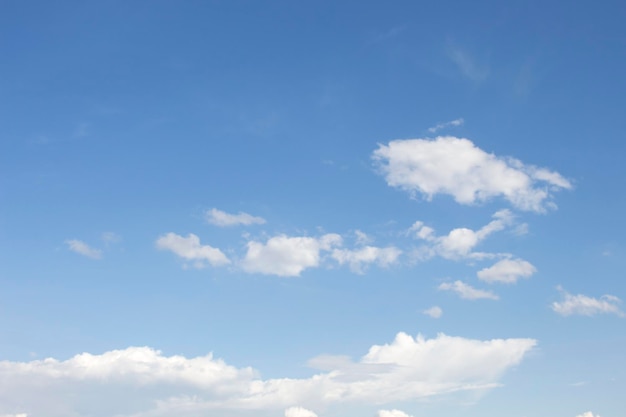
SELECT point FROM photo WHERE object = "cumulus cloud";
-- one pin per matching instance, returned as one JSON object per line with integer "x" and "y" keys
{"x": 459, "y": 243}
{"x": 456, "y": 167}
{"x": 223, "y": 219}
{"x": 84, "y": 249}
{"x": 583, "y": 305}
{"x": 190, "y": 249}
{"x": 359, "y": 259}
{"x": 439, "y": 126}
{"x": 392, "y": 413}
{"x": 142, "y": 382}
{"x": 287, "y": 256}
{"x": 434, "y": 312}
{"x": 507, "y": 271}
{"x": 299, "y": 412}
{"x": 588, "y": 414}
{"x": 466, "y": 291}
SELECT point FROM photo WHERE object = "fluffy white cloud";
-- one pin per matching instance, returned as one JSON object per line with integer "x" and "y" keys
{"x": 359, "y": 259}
{"x": 84, "y": 249}
{"x": 434, "y": 312}
{"x": 142, "y": 382}
{"x": 299, "y": 412}
{"x": 287, "y": 256}
{"x": 455, "y": 166}
{"x": 466, "y": 291}
{"x": 588, "y": 414}
{"x": 460, "y": 242}
{"x": 223, "y": 219}
{"x": 14, "y": 415}
{"x": 392, "y": 413}
{"x": 189, "y": 248}
{"x": 587, "y": 306}
{"x": 507, "y": 271}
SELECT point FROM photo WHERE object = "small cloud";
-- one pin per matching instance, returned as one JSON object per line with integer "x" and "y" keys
{"x": 223, "y": 219}
{"x": 578, "y": 384}
{"x": 434, "y": 312}
{"x": 588, "y": 414}
{"x": 362, "y": 238}
{"x": 507, "y": 271}
{"x": 287, "y": 256}
{"x": 439, "y": 126}
{"x": 582, "y": 305}
{"x": 84, "y": 249}
{"x": 466, "y": 291}
{"x": 299, "y": 412}
{"x": 189, "y": 248}
{"x": 392, "y": 413}
{"x": 359, "y": 259}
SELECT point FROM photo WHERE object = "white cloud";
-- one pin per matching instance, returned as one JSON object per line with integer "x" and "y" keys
{"x": 142, "y": 382}
{"x": 359, "y": 259}
{"x": 189, "y": 248}
{"x": 466, "y": 291}
{"x": 439, "y": 126}
{"x": 456, "y": 167}
{"x": 587, "y": 306}
{"x": 460, "y": 242}
{"x": 14, "y": 415}
{"x": 434, "y": 312}
{"x": 287, "y": 256}
{"x": 392, "y": 413}
{"x": 84, "y": 249}
{"x": 588, "y": 414}
{"x": 507, "y": 271}
{"x": 362, "y": 238}
{"x": 299, "y": 412}
{"x": 223, "y": 219}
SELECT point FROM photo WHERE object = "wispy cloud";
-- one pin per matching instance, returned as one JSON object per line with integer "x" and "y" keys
{"x": 467, "y": 64}
{"x": 583, "y": 305}
{"x": 223, "y": 219}
{"x": 80, "y": 247}
{"x": 440, "y": 126}
{"x": 466, "y": 291}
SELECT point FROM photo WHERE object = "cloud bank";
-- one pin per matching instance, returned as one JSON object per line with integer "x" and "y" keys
{"x": 142, "y": 382}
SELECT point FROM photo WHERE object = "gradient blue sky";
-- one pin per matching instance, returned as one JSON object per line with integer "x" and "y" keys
{"x": 289, "y": 184}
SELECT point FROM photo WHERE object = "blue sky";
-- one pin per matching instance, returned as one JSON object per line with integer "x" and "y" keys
{"x": 312, "y": 209}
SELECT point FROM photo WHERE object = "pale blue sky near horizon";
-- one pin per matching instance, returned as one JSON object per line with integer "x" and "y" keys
{"x": 123, "y": 124}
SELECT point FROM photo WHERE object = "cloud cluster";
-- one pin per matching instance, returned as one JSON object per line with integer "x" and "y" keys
{"x": 142, "y": 382}
{"x": 459, "y": 243}
{"x": 223, "y": 219}
{"x": 588, "y": 414}
{"x": 457, "y": 167}
{"x": 587, "y": 306}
